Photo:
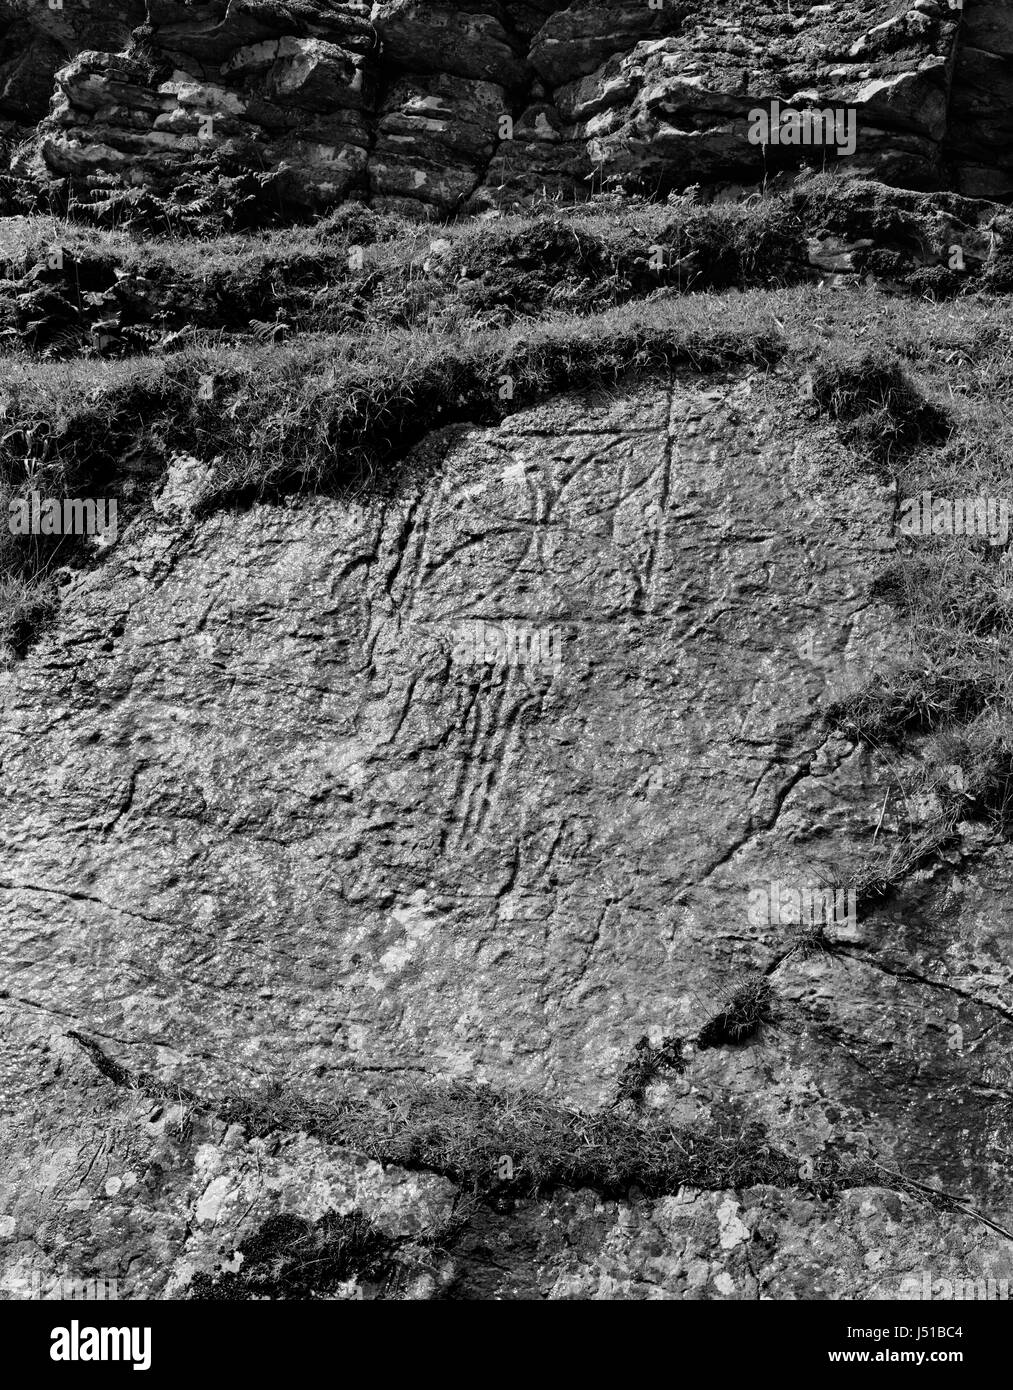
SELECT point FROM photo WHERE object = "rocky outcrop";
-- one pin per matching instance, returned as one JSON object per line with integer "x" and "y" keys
{"x": 237, "y": 89}
{"x": 435, "y": 108}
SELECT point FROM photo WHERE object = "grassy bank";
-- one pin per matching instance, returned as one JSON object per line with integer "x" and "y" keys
{"x": 72, "y": 289}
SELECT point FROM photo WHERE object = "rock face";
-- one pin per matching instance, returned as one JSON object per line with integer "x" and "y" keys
{"x": 37, "y": 39}
{"x": 982, "y": 126}
{"x": 280, "y": 807}
{"x": 435, "y": 108}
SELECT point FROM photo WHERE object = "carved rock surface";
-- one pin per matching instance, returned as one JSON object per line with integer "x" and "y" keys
{"x": 270, "y": 818}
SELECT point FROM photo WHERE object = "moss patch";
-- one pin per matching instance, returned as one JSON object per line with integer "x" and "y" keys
{"x": 292, "y": 1258}
{"x": 466, "y": 1132}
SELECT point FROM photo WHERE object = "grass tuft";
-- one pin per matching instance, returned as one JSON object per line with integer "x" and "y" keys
{"x": 751, "y": 1006}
